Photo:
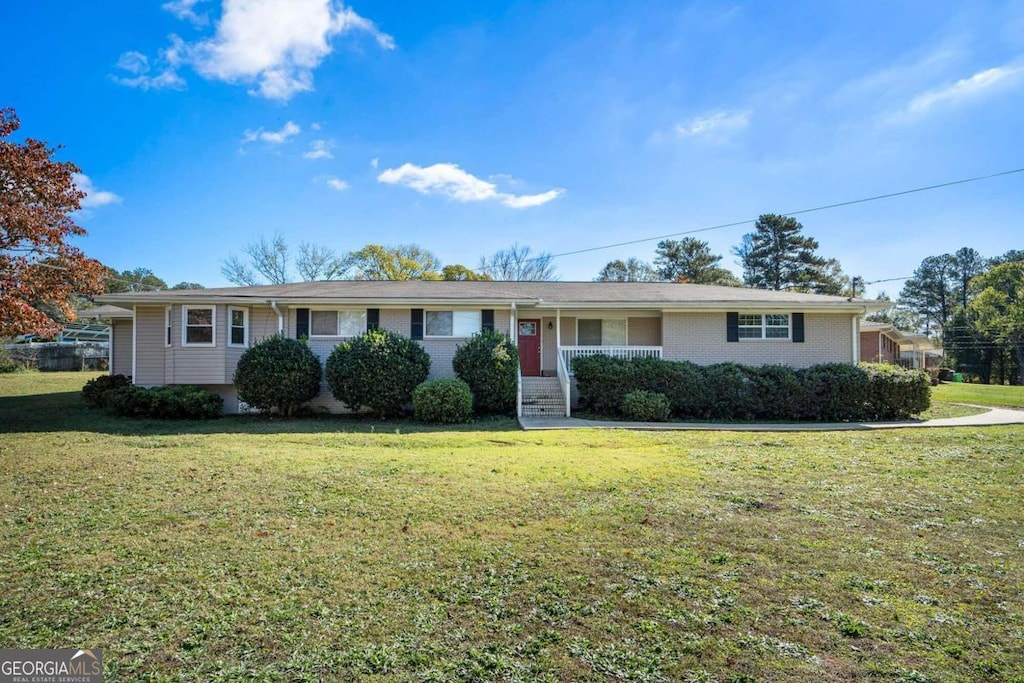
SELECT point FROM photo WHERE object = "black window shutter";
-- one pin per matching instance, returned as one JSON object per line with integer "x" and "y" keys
{"x": 416, "y": 324}
{"x": 372, "y": 319}
{"x": 301, "y": 323}
{"x": 732, "y": 327}
{"x": 798, "y": 327}
{"x": 487, "y": 319}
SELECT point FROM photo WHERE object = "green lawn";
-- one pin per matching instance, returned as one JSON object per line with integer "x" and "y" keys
{"x": 246, "y": 549}
{"x": 980, "y": 394}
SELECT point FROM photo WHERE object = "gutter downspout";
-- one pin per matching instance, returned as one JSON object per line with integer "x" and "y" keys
{"x": 855, "y": 337}
{"x": 280, "y": 316}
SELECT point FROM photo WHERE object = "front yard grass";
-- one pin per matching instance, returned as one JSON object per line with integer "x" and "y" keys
{"x": 980, "y": 394}
{"x": 245, "y": 549}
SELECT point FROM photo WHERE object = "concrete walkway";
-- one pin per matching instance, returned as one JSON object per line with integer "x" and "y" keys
{"x": 994, "y": 416}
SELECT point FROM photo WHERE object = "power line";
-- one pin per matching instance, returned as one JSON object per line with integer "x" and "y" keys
{"x": 825, "y": 207}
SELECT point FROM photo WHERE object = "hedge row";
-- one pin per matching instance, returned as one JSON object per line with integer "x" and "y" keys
{"x": 832, "y": 392}
{"x": 116, "y": 395}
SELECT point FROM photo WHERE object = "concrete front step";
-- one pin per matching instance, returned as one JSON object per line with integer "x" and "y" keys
{"x": 542, "y": 397}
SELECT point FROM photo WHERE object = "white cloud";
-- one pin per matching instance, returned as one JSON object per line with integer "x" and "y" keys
{"x": 337, "y": 184}
{"x": 276, "y": 44}
{"x": 963, "y": 89}
{"x": 94, "y": 198}
{"x": 184, "y": 10}
{"x": 714, "y": 124}
{"x": 137, "y": 71}
{"x": 451, "y": 181}
{"x": 319, "y": 149}
{"x": 272, "y": 45}
{"x": 374, "y": 162}
{"x": 273, "y": 137}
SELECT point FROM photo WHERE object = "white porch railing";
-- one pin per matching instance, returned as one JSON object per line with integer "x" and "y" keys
{"x": 568, "y": 353}
{"x": 519, "y": 392}
{"x": 563, "y": 378}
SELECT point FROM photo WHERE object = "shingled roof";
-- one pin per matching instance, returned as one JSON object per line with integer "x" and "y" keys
{"x": 534, "y": 294}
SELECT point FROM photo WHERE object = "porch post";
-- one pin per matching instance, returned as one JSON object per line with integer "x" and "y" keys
{"x": 558, "y": 331}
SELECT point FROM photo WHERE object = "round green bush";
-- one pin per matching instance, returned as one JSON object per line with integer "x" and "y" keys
{"x": 646, "y": 406}
{"x": 377, "y": 370}
{"x": 489, "y": 364}
{"x": 443, "y": 401}
{"x": 278, "y": 373}
{"x": 97, "y": 392}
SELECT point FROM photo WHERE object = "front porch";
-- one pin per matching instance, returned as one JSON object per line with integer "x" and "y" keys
{"x": 548, "y": 345}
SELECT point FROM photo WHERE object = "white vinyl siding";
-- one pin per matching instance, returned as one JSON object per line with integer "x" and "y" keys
{"x": 451, "y": 323}
{"x": 198, "y": 325}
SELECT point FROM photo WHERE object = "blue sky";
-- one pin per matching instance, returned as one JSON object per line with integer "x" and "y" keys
{"x": 467, "y": 126}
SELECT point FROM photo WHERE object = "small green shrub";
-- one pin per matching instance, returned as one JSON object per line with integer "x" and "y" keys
{"x": 377, "y": 370}
{"x": 8, "y": 364}
{"x": 171, "y": 402}
{"x": 896, "y": 393}
{"x": 97, "y": 392}
{"x": 278, "y": 373}
{"x": 489, "y": 364}
{"x": 646, "y": 406}
{"x": 443, "y": 401}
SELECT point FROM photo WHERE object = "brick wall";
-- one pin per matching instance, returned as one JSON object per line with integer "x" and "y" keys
{"x": 701, "y": 338}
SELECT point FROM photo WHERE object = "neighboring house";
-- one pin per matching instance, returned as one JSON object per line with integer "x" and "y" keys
{"x": 883, "y": 343}
{"x": 197, "y": 336}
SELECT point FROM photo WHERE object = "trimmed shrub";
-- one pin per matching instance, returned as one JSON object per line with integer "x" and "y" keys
{"x": 729, "y": 392}
{"x": 829, "y": 393}
{"x": 97, "y": 392}
{"x": 896, "y": 393}
{"x": 278, "y": 374}
{"x": 603, "y": 382}
{"x": 377, "y": 370}
{"x": 489, "y": 364}
{"x": 778, "y": 393}
{"x": 172, "y": 402}
{"x": 680, "y": 381}
{"x": 646, "y": 406}
{"x": 443, "y": 401}
{"x": 834, "y": 392}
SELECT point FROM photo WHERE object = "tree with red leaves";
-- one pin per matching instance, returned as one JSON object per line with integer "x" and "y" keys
{"x": 38, "y": 268}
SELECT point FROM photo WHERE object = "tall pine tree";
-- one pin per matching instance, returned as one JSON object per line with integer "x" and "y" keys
{"x": 777, "y": 255}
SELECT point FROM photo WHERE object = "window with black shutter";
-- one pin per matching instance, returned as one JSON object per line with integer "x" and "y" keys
{"x": 416, "y": 323}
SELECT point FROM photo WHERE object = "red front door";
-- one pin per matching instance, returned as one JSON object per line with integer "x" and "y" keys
{"x": 529, "y": 347}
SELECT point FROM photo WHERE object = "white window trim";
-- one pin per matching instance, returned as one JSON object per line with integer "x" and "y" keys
{"x": 245, "y": 327}
{"x": 184, "y": 326}
{"x": 453, "y": 311}
{"x": 764, "y": 327}
{"x": 168, "y": 337}
{"x": 337, "y": 322}
{"x": 624, "y": 320}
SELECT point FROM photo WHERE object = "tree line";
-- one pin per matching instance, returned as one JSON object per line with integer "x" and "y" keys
{"x": 775, "y": 255}
{"x": 274, "y": 261}
{"x": 974, "y": 306}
